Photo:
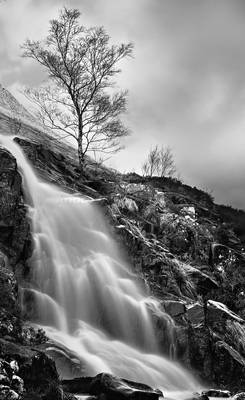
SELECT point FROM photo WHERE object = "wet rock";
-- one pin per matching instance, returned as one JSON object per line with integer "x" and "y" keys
{"x": 8, "y": 394}
{"x": 12, "y": 395}
{"x": 121, "y": 389}
{"x": 195, "y": 314}
{"x": 41, "y": 378}
{"x": 5, "y": 368}
{"x": 239, "y": 396}
{"x": 67, "y": 363}
{"x": 14, "y": 226}
{"x": 174, "y": 308}
{"x": 4, "y": 380}
{"x": 14, "y": 365}
{"x": 198, "y": 396}
{"x": 4, "y": 391}
{"x": 110, "y": 387}
{"x": 164, "y": 328}
{"x": 77, "y": 385}
{"x": 219, "y": 312}
{"x": 203, "y": 282}
{"x": 14, "y": 243}
{"x": 217, "y": 393}
{"x": 39, "y": 369}
{"x": 229, "y": 366}
{"x": 14, "y": 352}
{"x": 199, "y": 354}
{"x": 17, "y": 384}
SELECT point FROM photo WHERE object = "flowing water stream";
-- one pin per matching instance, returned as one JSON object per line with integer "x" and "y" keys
{"x": 84, "y": 295}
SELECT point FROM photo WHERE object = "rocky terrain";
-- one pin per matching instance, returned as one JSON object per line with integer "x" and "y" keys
{"x": 188, "y": 251}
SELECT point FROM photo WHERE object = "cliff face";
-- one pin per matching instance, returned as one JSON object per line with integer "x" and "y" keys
{"x": 179, "y": 242}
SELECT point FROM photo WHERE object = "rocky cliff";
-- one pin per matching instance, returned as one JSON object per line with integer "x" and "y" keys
{"x": 187, "y": 250}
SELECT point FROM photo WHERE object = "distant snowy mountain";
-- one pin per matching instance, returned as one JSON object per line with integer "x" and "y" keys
{"x": 10, "y": 104}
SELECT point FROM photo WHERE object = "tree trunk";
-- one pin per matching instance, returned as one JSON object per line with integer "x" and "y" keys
{"x": 81, "y": 158}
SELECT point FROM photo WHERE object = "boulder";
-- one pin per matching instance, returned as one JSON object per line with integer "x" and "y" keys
{"x": 228, "y": 366}
{"x": 217, "y": 393}
{"x": 198, "y": 396}
{"x": 17, "y": 384}
{"x": 12, "y": 395}
{"x": 8, "y": 394}
{"x": 195, "y": 314}
{"x": 218, "y": 312}
{"x": 203, "y": 282}
{"x": 111, "y": 388}
{"x": 4, "y": 379}
{"x": 199, "y": 351}
{"x": 5, "y": 369}
{"x": 67, "y": 363}
{"x": 14, "y": 365}
{"x": 174, "y": 308}
{"x": 121, "y": 389}
{"x": 77, "y": 385}
{"x": 39, "y": 368}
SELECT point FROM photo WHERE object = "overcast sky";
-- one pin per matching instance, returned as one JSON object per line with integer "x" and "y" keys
{"x": 186, "y": 82}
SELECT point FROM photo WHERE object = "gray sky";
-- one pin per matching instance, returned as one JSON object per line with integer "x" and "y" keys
{"x": 186, "y": 82}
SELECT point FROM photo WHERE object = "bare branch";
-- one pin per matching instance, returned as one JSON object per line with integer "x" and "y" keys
{"x": 81, "y": 65}
{"x": 159, "y": 162}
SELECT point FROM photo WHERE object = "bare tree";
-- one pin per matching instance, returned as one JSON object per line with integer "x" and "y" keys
{"x": 159, "y": 162}
{"x": 79, "y": 101}
{"x": 166, "y": 165}
{"x": 150, "y": 166}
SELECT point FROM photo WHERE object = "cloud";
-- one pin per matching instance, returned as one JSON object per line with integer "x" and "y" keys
{"x": 186, "y": 83}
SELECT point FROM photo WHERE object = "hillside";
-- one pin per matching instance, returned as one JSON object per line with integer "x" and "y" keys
{"x": 185, "y": 250}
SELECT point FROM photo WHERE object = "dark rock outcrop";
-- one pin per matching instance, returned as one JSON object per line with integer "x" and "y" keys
{"x": 111, "y": 387}
{"x": 217, "y": 393}
{"x": 229, "y": 366}
{"x": 15, "y": 239}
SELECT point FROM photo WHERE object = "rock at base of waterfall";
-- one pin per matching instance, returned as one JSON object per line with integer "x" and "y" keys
{"x": 41, "y": 369}
{"x": 217, "y": 393}
{"x": 111, "y": 387}
{"x": 123, "y": 389}
{"x": 198, "y": 396}
{"x": 77, "y": 385}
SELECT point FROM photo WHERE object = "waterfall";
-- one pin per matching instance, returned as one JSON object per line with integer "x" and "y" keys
{"x": 84, "y": 295}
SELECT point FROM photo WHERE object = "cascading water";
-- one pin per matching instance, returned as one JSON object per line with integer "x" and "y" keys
{"x": 84, "y": 296}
